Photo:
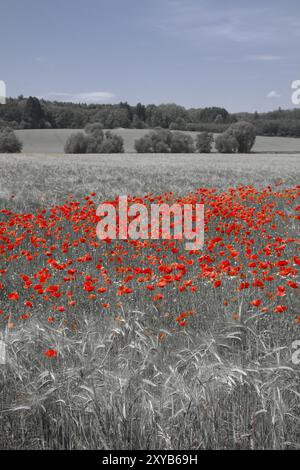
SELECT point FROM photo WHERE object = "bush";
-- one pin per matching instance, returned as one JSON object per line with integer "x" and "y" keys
{"x": 182, "y": 143}
{"x": 9, "y": 143}
{"x": 112, "y": 143}
{"x": 98, "y": 142}
{"x": 240, "y": 137}
{"x": 94, "y": 141}
{"x": 165, "y": 141}
{"x": 226, "y": 143}
{"x": 157, "y": 141}
{"x": 245, "y": 134}
{"x": 94, "y": 129}
{"x": 144, "y": 145}
{"x": 204, "y": 142}
{"x": 76, "y": 143}
{"x": 95, "y": 137}
{"x": 161, "y": 141}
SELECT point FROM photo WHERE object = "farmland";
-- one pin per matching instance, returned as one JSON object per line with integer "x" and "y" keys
{"x": 125, "y": 346}
{"x": 53, "y": 141}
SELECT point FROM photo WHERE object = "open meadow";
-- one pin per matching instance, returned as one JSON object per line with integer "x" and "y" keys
{"x": 53, "y": 141}
{"x": 144, "y": 345}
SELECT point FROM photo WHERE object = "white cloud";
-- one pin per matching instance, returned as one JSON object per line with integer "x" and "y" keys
{"x": 83, "y": 97}
{"x": 273, "y": 94}
{"x": 197, "y": 21}
{"x": 264, "y": 57}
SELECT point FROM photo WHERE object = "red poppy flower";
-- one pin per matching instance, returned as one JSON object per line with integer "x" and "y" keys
{"x": 280, "y": 309}
{"x": 13, "y": 296}
{"x": 50, "y": 353}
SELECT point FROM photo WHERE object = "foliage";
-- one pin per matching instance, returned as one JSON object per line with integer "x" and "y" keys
{"x": 76, "y": 143}
{"x": 226, "y": 143}
{"x": 94, "y": 141}
{"x": 239, "y": 137}
{"x": 95, "y": 128}
{"x": 34, "y": 115}
{"x": 182, "y": 143}
{"x": 207, "y": 127}
{"x": 112, "y": 143}
{"x": 165, "y": 141}
{"x": 245, "y": 134}
{"x": 204, "y": 142}
{"x": 9, "y": 143}
{"x": 95, "y": 137}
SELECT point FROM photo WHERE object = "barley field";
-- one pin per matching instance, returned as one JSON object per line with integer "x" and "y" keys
{"x": 121, "y": 345}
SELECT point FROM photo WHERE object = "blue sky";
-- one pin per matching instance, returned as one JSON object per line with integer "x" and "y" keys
{"x": 241, "y": 55}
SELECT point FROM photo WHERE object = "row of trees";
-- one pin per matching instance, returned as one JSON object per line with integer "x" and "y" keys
{"x": 33, "y": 113}
{"x": 239, "y": 137}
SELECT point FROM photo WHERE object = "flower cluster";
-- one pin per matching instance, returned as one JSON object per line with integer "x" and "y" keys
{"x": 53, "y": 257}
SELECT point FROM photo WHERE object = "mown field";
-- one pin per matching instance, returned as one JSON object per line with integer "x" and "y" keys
{"x": 119, "y": 345}
{"x": 53, "y": 141}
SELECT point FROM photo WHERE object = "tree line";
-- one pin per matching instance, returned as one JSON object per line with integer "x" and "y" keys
{"x": 32, "y": 113}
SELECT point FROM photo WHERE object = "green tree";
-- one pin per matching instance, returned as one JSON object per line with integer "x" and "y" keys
{"x": 219, "y": 119}
{"x": 245, "y": 134}
{"x": 140, "y": 112}
{"x": 226, "y": 143}
{"x": 204, "y": 142}
{"x": 182, "y": 143}
{"x": 34, "y": 115}
{"x": 95, "y": 128}
{"x": 165, "y": 141}
{"x": 112, "y": 143}
{"x": 76, "y": 143}
{"x": 9, "y": 143}
{"x": 137, "y": 123}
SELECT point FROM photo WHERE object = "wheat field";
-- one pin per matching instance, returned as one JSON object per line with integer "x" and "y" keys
{"x": 123, "y": 374}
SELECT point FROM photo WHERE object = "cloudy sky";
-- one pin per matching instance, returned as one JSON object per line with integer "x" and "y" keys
{"x": 237, "y": 54}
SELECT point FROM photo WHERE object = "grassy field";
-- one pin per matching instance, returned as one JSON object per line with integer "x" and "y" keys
{"x": 41, "y": 179}
{"x": 189, "y": 364}
{"x": 53, "y": 141}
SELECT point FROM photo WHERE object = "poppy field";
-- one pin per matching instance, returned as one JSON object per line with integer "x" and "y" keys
{"x": 141, "y": 344}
